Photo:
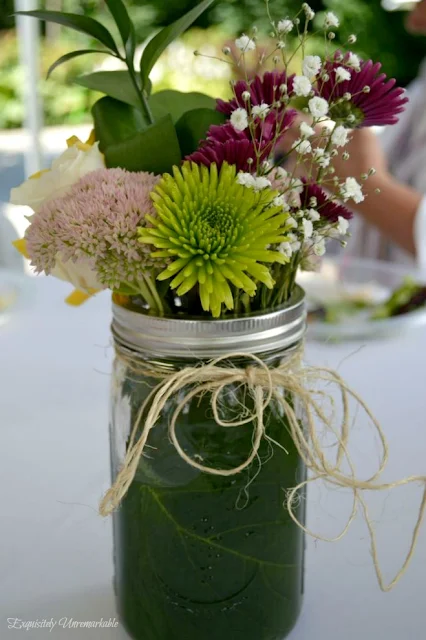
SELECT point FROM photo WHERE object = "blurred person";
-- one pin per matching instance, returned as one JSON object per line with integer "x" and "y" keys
{"x": 393, "y": 224}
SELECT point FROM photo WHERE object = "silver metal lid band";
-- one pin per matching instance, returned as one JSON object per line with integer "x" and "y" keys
{"x": 207, "y": 338}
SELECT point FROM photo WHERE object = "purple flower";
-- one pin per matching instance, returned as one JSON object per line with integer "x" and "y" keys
{"x": 226, "y": 144}
{"x": 264, "y": 89}
{"x": 366, "y": 99}
{"x": 242, "y": 148}
{"x": 328, "y": 209}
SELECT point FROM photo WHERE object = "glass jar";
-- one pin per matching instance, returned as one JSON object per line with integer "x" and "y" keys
{"x": 200, "y": 556}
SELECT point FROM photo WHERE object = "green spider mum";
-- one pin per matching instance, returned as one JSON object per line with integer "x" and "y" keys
{"x": 216, "y": 230}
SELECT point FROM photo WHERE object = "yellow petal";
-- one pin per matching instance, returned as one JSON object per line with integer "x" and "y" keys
{"x": 21, "y": 246}
{"x": 38, "y": 174}
{"x": 91, "y": 139}
{"x": 76, "y": 142}
{"x": 77, "y": 297}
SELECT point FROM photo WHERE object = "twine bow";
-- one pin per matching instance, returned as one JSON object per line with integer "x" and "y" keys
{"x": 265, "y": 385}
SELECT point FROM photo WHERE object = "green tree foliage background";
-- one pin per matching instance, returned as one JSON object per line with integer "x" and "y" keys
{"x": 381, "y": 36}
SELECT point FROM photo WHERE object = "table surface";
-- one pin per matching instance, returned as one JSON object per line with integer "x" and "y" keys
{"x": 56, "y": 557}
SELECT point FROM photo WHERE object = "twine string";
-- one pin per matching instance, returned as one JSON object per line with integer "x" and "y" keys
{"x": 264, "y": 385}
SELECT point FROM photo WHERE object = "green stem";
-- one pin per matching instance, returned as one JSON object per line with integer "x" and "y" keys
{"x": 144, "y": 291}
{"x": 146, "y": 109}
{"x": 326, "y": 150}
{"x": 155, "y": 295}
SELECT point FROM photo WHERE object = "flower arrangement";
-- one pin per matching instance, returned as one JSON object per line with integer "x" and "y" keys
{"x": 187, "y": 205}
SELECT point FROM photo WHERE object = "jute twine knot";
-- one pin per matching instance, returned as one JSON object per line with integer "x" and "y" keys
{"x": 266, "y": 384}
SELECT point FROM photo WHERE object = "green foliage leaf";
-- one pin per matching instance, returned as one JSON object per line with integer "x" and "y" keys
{"x": 86, "y": 25}
{"x": 115, "y": 121}
{"x": 116, "y": 84}
{"x": 155, "y": 149}
{"x": 71, "y": 55}
{"x": 124, "y": 24}
{"x": 161, "y": 41}
{"x": 192, "y": 127}
{"x": 177, "y": 103}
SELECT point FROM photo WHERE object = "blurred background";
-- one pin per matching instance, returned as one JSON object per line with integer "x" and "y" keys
{"x": 59, "y": 108}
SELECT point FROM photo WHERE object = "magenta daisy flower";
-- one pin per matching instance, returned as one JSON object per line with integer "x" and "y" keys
{"x": 328, "y": 209}
{"x": 366, "y": 99}
{"x": 242, "y": 148}
{"x": 264, "y": 89}
{"x": 226, "y": 144}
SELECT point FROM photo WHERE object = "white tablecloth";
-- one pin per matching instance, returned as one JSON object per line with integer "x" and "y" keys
{"x": 55, "y": 552}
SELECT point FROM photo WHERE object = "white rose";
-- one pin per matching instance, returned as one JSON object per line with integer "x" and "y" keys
{"x": 81, "y": 274}
{"x": 78, "y": 160}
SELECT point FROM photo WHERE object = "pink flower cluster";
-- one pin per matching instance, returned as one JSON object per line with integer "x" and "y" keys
{"x": 96, "y": 220}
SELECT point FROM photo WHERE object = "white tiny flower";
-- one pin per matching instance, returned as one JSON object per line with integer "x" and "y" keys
{"x": 352, "y": 39}
{"x": 286, "y": 249}
{"x": 311, "y": 66}
{"x": 302, "y": 146}
{"x": 342, "y": 74}
{"x": 319, "y": 247}
{"x": 339, "y": 137}
{"x": 283, "y": 88}
{"x": 226, "y": 51}
{"x": 280, "y": 173}
{"x": 318, "y": 107}
{"x": 354, "y": 61}
{"x": 306, "y": 131}
{"x": 352, "y": 189}
{"x": 302, "y": 86}
{"x": 308, "y": 228}
{"x": 342, "y": 226}
{"x": 297, "y": 186}
{"x": 266, "y": 165}
{"x": 245, "y": 43}
{"x": 310, "y": 14}
{"x": 331, "y": 20}
{"x": 291, "y": 222}
{"x": 321, "y": 157}
{"x": 314, "y": 215}
{"x": 239, "y": 119}
{"x": 285, "y": 26}
{"x": 296, "y": 245}
{"x": 246, "y": 95}
{"x": 281, "y": 45}
{"x": 347, "y": 96}
{"x": 280, "y": 201}
{"x": 261, "y": 183}
{"x": 260, "y": 110}
{"x": 246, "y": 180}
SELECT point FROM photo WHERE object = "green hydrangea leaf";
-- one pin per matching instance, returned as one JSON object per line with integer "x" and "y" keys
{"x": 192, "y": 127}
{"x": 115, "y": 121}
{"x": 156, "y": 149}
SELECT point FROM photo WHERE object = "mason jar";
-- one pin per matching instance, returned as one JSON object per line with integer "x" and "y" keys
{"x": 200, "y": 556}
